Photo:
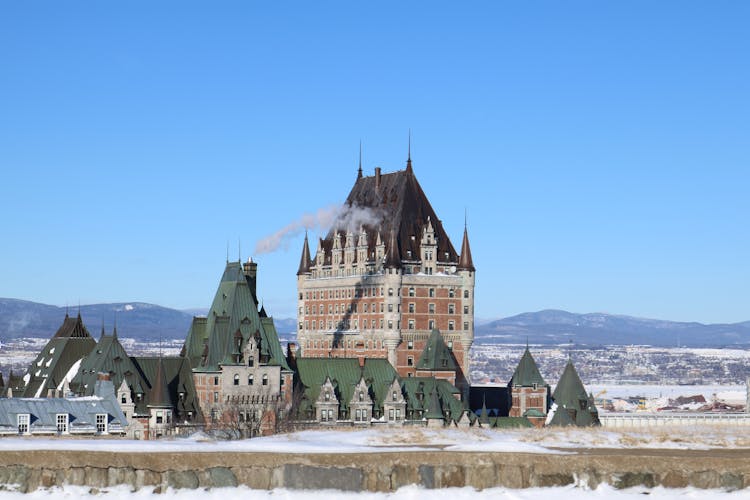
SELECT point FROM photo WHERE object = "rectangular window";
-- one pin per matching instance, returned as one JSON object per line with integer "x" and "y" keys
{"x": 216, "y": 380}
{"x": 451, "y": 308}
{"x": 216, "y": 397}
{"x": 410, "y": 361}
{"x": 390, "y": 414}
{"x": 398, "y": 413}
{"x": 390, "y": 308}
{"x": 451, "y": 325}
{"x": 159, "y": 417}
{"x": 330, "y": 415}
{"x": 411, "y": 292}
{"x": 432, "y": 292}
{"x": 466, "y": 325}
{"x": 410, "y": 344}
{"x": 431, "y": 308}
{"x": 23, "y": 423}
{"x": 431, "y": 324}
{"x": 466, "y": 309}
{"x": 62, "y": 423}
{"x": 411, "y": 324}
{"x": 101, "y": 423}
{"x": 411, "y": 307}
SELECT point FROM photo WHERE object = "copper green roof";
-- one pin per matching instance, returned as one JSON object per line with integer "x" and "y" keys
{"x": 418, "y": 392}
{"x": 178, "y": 376}
{"x": 434, "y": 410}
{"x": 345, "y": 374}
{"x": 107, "y": 356}
{"x": 527, "y": 373}
{"x": 234, "y": 312}
{"x": 570, "y": 395}
{"x": 71, "y": 343}
{"x": 436, "y": 355}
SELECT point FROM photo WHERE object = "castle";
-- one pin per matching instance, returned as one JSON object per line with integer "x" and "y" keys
{"x": 379, "y": 290}
{"x": 385, "y": 323}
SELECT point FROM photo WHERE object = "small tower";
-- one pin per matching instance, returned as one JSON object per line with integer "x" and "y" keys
{"x": 529, "y": 392}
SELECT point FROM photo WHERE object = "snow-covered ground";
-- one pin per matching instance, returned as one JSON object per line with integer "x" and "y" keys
{"x": 548, "y": 440}
{"x": 405, "y": 493}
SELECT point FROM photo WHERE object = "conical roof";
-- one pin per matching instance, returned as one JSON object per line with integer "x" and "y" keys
{"x": 465, "y": 262}
{"x": 527, "y": 373}
{"x": 436, "y": 355}
{"x": 569, "y": 389}
{"x": 304, "y": 261}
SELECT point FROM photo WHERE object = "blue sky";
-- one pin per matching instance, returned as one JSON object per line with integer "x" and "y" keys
{"x": 600, "y": 148}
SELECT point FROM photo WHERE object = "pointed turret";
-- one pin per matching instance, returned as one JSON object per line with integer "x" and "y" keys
{"x": 570, "y": 396}
{"x": 393, "y": 257}
{"x": 433, "y": 410}
{"x": 304, "y": 261}
{"x": 527, "y": 372}
{"x": 465, "y": 262}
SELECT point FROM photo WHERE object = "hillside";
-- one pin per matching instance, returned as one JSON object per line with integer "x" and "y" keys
{"x": 559, "y": 327}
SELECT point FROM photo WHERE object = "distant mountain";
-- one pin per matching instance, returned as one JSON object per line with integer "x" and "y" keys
{"x": 21, "y": 318}
{"x": 559, "y": 327}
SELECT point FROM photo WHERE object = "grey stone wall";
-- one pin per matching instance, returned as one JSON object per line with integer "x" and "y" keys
{"x": 28, "y": 470}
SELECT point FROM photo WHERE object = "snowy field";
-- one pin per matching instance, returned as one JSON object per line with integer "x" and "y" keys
{"x": 549, "y": 440}
{"x": 405, "y": 493}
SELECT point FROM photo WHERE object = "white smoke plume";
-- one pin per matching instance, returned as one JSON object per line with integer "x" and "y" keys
{"x": 343, "y": 218}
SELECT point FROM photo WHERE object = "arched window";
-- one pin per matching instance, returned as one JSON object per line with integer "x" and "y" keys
{"x": 249, "y": 380}
{"x": 265, "y": 379}
{"x": 236, "y": 379}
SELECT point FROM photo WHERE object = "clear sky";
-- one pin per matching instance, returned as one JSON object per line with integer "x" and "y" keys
{"x": 601, "y": 149}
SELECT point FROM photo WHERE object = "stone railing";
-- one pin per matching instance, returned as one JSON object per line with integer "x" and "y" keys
{"x": 643, "y": 419}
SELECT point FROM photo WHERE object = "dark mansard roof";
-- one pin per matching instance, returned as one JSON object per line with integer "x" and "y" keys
{"x": 401, "y": 206}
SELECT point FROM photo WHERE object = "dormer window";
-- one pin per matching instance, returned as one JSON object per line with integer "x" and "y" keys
{"x": 23, "y": 420}
{"x": 62, "y": 423}
{"x": 395, "y": 396}
{"x": 361, "y": 396}
{"x": 327, "y": 396}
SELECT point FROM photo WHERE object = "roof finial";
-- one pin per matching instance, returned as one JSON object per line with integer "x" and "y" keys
{"x": 239, "y": 250}
{"x": 359, "y": 171}
{"x": 114, "y": 330}
{"x": 227, "y": 251}
{"x": 466, "y": 218}
{"x": 408, "y": 156}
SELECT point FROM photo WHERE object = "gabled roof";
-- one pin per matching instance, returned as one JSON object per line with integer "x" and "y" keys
{"x": 400, "y": 205}
{"x": 70, "y": 344}
{"x": 234, "y": 308}
{"x": 107, "y": 356}
{"x": 527, "y": 373}
{"x": 72, "y": 327}
{"x": 178, "y": 376}
{"x": 436, "y": 356}
{"x": 345, "y": 374}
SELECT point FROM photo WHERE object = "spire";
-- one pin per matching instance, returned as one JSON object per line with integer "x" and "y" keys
{"x": 465, "y": 262}
{"x": 408, "y": 157}
{"x": 304, "y": 261}
{"x": 114, "y": 330}
{"x": 102, "y": 336}
{"x": 359, "y": 172}
{"x": 392, "y": 257}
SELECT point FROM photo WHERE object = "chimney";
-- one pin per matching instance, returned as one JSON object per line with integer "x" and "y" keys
{"x": 250, "y": 270}
{"x": 102, "y": 376}
{"x": 291, "y": 354}
{"x": 377, "y": 177}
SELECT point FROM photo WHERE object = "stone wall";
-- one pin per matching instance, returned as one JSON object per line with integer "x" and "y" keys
{"x": 29, "y": 470}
